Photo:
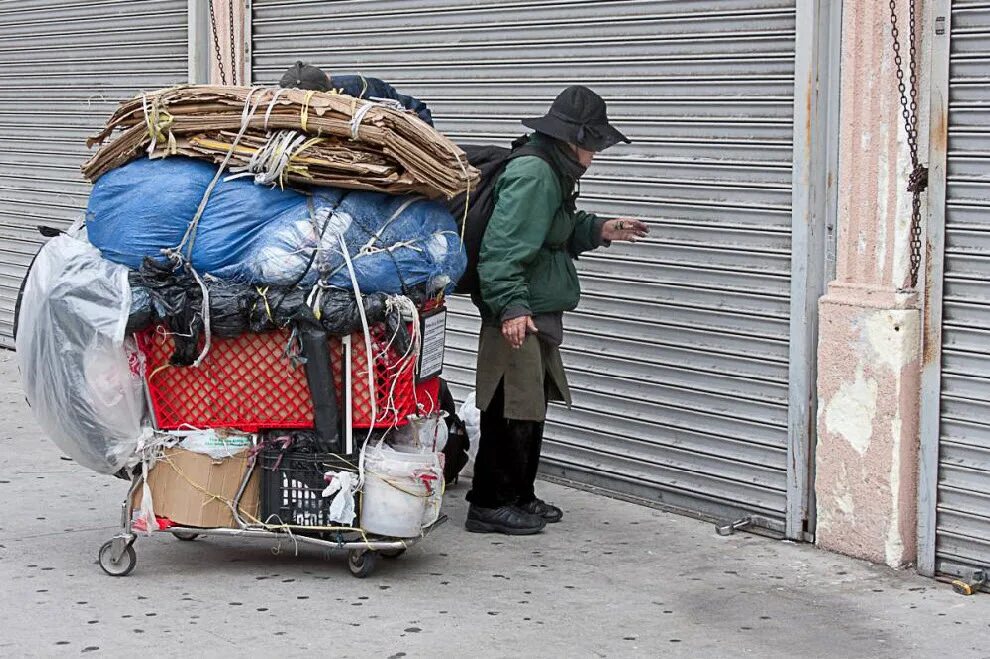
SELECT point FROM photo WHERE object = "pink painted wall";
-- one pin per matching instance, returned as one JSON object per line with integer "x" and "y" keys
{"x": 869, "y": 342}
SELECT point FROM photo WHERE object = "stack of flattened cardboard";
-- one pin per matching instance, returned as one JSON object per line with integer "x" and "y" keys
{"x": 287, "y": 135}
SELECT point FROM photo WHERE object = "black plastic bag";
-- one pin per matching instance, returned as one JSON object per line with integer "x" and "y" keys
{"x": 228, "y": 309}
{"x": 455, "y": 452}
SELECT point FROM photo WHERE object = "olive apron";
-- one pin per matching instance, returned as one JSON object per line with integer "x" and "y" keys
{"x": 529, "y": 372}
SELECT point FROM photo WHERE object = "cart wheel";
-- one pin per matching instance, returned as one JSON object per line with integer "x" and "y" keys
{"x": 362, "y": 562}
{"x": 185, "y": 536}
{"x": 122, "y": 567}
{"x": 393, "y": 553}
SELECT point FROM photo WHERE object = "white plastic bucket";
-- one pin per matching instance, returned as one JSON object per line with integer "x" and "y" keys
{"x": 402, "y": 490}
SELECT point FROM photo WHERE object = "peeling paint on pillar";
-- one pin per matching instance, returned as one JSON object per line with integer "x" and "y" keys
{"x": 866, "y": 454}
{"x": 850, "y": 412}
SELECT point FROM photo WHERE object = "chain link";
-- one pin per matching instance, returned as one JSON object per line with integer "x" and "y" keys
{"x": 216, "y": 44}
{"x": 918, "y": 179}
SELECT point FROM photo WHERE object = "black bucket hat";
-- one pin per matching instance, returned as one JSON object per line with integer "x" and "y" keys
{"x": 305, "y": 76}
{"x": 578, "y": 116}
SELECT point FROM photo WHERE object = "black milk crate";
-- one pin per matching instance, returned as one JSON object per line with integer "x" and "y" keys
{"x": 292, "y": 484}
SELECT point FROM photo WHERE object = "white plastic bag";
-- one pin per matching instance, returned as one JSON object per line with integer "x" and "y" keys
{"x": 471, "y": 416}
{"x": 80, "y": 374}
{"x": 341, "y": 487}
{"x": 423, "y": 432}
{"x": 218, "y": 444}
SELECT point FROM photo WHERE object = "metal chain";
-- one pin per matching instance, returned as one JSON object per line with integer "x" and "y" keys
{"x": 233, "y": 45}
{"x": 216, "y": 44}
{"x": 918, "y": 179}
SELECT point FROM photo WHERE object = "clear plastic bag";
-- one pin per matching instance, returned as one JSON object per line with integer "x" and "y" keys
{"x": 423, "y": 432}
{"x": 80, "y": 374}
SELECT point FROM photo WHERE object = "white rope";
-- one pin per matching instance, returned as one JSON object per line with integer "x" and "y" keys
{"x": 147, "y": 121}
{"x": 371, "y": 358}
{"x": 268, "y": 163}
{"x": 364, "y": 324}
{"x": 358, "y": 118}
{"x": 404, "y": 306}
{"x": 190, "y": 234}
{"x": 246, "y": 114}
{"x": 271, "y": 106}
{"x": 208, "y": 337}
{"x": 375, "y": 237}
{"x": 410, "y": 244}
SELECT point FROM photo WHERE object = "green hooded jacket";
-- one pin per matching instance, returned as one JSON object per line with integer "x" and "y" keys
{"x": 526, "y": 265}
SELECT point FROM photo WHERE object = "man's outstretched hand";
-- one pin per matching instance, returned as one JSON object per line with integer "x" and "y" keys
{"x": 624, "y": 228}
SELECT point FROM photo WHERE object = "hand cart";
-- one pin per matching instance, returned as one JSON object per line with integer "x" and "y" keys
{"x": 118, "y": 558}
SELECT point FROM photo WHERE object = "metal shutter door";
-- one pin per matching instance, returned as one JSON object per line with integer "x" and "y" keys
{"x": 64, "y": 65}
{"x": 963, "y": 495}
{"x": 678, "y": 354}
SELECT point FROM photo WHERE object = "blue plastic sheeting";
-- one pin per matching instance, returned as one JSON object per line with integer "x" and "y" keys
{"x": 254, "y": 234}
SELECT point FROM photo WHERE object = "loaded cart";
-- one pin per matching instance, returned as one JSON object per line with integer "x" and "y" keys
{"x": 248, "y": 324}
{"x": 272, "y": 484}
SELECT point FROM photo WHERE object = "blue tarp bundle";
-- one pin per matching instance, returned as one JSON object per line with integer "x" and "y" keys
{"x": 254, "y": 234}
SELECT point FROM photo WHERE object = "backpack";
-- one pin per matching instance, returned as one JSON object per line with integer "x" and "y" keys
{"x": 490, "y": 160}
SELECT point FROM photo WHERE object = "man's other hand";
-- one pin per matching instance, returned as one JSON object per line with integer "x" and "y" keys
{"x": 515, "y": 330}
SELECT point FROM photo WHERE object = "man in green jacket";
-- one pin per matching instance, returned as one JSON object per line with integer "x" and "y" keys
{"x": 528, "y": 279}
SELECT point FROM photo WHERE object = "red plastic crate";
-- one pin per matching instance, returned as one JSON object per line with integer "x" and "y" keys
{"x": 248, "y": 383}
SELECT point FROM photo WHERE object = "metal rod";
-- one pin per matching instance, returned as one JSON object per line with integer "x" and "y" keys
{"x": 264, "y": 534}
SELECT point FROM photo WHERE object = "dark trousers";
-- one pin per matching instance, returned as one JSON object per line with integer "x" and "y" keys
{"x": 508, "y": 458}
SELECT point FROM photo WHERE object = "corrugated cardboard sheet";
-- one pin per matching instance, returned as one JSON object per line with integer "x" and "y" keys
{"x": 193, "y": 489}
{"x": 352, "y": 143}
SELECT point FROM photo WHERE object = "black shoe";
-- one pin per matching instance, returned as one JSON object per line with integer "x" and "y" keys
{"x": 506, "y": 519}
{"x": 549, "y": 512}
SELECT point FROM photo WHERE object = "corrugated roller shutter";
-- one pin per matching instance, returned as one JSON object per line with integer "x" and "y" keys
{"x": 963, "y": 503}
{"x": 64, "y": 65}
{"x": 678, "y": 353}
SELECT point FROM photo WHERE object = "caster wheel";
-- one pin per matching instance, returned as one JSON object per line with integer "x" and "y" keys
{"x": 120, "y": 568}
{"x": 362, "y": 562}
{"x": 393, "y": 553}
{"x": 185, "y": 536}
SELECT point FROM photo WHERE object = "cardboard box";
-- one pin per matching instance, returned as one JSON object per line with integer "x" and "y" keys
{"x": 182, "y": 484}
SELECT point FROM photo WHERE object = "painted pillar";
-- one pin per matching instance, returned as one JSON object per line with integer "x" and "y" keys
{"x": 222, "y": 10}
{"x": 868, "y": 352}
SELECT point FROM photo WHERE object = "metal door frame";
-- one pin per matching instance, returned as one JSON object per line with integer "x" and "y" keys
{"x": 198, "y": 29}
{"x": 815, "y": 172}
{"x": 938, "y": 19}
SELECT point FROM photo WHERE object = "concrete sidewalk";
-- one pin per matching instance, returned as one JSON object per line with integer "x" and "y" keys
{"x": 614, "y": 579}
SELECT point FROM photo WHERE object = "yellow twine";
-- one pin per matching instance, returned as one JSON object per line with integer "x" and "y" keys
{"x": 158, "y": 121}
{"x": 304, "y": 111}
{"x": 299, "y": 170}
{"x": 263, "y": 292}
{"x": 290, "y": 527}
{"x": 313, "y": 141}
{"x": 254, "y": 520}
